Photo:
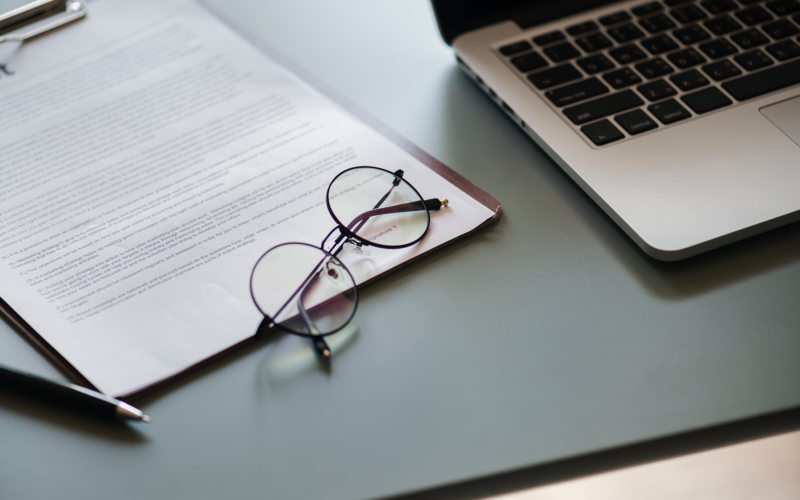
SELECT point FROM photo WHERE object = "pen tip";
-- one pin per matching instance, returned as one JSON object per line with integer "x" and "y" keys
{"x": 128, "y": 412}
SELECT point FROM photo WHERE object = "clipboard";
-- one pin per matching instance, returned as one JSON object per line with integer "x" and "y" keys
{"x": 38, "y": 18}
{"x": 443, "y": 170}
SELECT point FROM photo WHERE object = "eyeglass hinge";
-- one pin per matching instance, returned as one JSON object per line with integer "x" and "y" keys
{"x": 397, "y": 176}
{"x": 357, "y": 243}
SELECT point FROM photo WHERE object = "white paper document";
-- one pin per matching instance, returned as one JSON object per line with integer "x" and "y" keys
{"x": 150, "y": 156}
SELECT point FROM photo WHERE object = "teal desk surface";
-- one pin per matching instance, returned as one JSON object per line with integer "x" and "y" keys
{"x": 546, "y": 336}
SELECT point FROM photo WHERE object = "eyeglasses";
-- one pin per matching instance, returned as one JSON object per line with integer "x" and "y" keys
{"x": 306, "y": 290}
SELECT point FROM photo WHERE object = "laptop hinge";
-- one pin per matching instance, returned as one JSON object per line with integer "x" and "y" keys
{"x": 544, "y": 11}
{"x": 456, "y": 17}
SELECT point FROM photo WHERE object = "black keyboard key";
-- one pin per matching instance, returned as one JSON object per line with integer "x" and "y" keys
{"x": 780, "y": 29}
{"x": 689, "y": 80}
{"x": 582, "y": 28}
{"x": 622, "y": 78}
{"x": 654, "y": 68}
{"x": 669, "y": 111}
{"x": 528, "y": 62}
{"x": 659, "y": 22}
{"x": 602, "y": 132}
{"x": 561, "y": 52}
{"x": 647, "y": 8}
{"x": 657, "y": 90}
{"x": 722, "y": 70}
{"x": 515, "y": 48}
{"x": 625, "y": 33}
{"x": 754, "y": 60}
{"x": 593, "y": 43}
{"x": 722, "y": 25}
{"x": 706, "y": 100}
{"x": 753, "y": 15}
{"x": 688, "y": 14}
{"x": 768, "y": 80}
{"x": 602, "y": 107}
{"x": 718, "y": 48}
{"x": 576, "y": 92}
{"x": 636, "y": 122}
{"x": 551, "y": 37}
{"x": 673, "y": 3}
{"x": 615, "y": 18}
{"x": 659, "y": 44}
{"x": 748, "y": 2}
{"x": 784, "y": 51}
{"x": 686, "y": 58}
{"x": 595, "y": 64}
{"x": 749, "y": 39}
{"x": 627, "y": 54}
{"x": 783, "y": 7}
{"x": 718, "y": 6}
{"x": 691, "y": 34}
{"x": 554, "y": 76}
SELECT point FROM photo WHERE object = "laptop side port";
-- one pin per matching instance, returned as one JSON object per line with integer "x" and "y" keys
{"x": 492, "y": 94}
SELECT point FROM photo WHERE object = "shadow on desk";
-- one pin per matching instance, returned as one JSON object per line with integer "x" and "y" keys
{"x": 76, "y": 421}
{"x": 721, "y": 267}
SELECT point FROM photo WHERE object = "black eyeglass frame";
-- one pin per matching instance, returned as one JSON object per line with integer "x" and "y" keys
{"x": 303, "y": 285}
{"x": 347, "y": 234}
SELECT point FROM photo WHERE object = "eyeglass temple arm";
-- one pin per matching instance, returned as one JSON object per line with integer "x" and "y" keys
{"x": 318, "y": 342}
{"x": 361, "y": 219}
{"x": 414, "y": 206}
{"x": 398, "y": 175}
{"x": 321, "y": 347}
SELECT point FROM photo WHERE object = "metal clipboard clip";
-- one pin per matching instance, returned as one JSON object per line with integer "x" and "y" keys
{"x": 26, "y": 22}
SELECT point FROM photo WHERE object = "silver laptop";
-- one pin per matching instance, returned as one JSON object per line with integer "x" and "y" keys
{"x": 680, "y": 118}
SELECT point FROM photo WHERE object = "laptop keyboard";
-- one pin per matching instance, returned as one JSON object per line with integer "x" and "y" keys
{"x": 660, "y": 63}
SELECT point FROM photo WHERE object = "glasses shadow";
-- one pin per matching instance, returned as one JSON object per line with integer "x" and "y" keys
{"x": 289, "y": 357}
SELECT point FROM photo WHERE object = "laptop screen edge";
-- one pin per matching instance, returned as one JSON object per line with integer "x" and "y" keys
{"x": 455, "y": 17}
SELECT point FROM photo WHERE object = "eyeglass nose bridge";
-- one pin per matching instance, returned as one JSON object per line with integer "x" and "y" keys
{"x": 346, "y": 232}
{"x": 350, "y": 236}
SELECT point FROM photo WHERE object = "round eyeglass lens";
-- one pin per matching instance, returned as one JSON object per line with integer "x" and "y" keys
{"x": 304, "y": 289}
{"x": 380, "y": 208}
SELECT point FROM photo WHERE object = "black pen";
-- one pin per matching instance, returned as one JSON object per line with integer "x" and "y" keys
{"x": 71, "y": 395}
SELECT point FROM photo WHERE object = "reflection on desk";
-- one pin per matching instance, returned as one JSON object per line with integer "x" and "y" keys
{"x": 763, "y": 468}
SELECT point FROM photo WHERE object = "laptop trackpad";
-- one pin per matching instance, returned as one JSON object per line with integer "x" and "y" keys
{"x": 786, "y": 116}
